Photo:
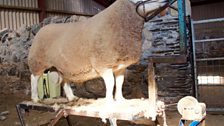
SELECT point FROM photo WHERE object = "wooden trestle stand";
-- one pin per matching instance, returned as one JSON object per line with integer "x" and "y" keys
{"x": 133, "y": 109}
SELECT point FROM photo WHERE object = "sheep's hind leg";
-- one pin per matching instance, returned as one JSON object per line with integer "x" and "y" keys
{"x": 119, "y": 83}
{"x": 108, "y": 78}
{"x": 34, "y": 90}
{"x": 69, "y": 93}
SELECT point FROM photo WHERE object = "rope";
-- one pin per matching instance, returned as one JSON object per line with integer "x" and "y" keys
{"x": 168, "y": 105}
{"x": 138, "y": 4}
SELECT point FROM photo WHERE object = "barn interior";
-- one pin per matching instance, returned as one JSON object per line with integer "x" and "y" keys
{"x": 182, "y": 54}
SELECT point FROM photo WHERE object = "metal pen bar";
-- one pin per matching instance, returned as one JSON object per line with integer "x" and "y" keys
{"x": 194, "y": 59}
{"x": 208, "y": 59}
{"x": 208, "y": 21}
{"x": 210, "y": 40}
{"x": 220, "y": 110}
{"x": 159, "y": 10}
{"x": 18, "y": 109}
{"x": 210, "y": 85}
{"x": 182, "y": 25}
{"x": 172, "y": 7}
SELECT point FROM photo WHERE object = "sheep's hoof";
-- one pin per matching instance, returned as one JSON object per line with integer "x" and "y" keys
{"x": 120, "y": 99}
{"x": 109, "y": 101}
{"x": 36, "y": 100}
{"x": 73, "y": 98}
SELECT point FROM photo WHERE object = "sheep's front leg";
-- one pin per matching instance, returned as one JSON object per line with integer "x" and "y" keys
{"x": 119, "y": 83}
{"x": 34, "y": 90}
{"x": 113, "y": 121}
{"x": 108, "y": 78}
{"x": 68, "y": 92}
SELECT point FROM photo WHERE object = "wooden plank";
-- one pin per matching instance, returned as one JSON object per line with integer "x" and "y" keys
{"x": 42, "y": 7}
{"x": 132, "y": 109}
{"x": 169, "y": 59}
{"x": 152, "y": 91}
{"x": 68, "y": 13}
{"x": 126, "y": 110}
{"x": 36, "y": 106}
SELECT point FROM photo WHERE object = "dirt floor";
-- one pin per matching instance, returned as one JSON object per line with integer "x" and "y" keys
{"x": 35, "y": 118}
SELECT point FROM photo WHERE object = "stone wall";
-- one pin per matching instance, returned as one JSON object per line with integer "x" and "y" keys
{"x": 14, "y": 48}
{"x": 174, "y": 80}
{"x": 160, "y": 37}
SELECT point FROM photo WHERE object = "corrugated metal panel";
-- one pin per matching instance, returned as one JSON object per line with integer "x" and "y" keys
{"x": 72, "y": 6}
{"x": 208, "y": 11}
{"x": 61, "y": 5}
{"x": 20, "y": 3}
{"x": 80, "y": 6}
{"x": 15, "y": 18}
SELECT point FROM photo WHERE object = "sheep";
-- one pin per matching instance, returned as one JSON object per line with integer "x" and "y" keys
{"x": 101, "y": 46}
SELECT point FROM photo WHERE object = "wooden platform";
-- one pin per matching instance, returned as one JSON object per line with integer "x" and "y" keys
{"x": 133, "y": 109}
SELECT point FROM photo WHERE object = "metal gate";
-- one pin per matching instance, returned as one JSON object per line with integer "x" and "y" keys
{"x": 208, "y": 48}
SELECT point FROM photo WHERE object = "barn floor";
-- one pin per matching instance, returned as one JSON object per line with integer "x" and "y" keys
{"x": 8, "y": 102}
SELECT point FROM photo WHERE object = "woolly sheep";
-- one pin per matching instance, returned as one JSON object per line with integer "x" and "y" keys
{"x": 101, "y": 46}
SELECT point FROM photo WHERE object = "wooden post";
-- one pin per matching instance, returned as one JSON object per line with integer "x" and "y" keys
{"x": 42, "y": 7}
{"x": 152, "y": 91}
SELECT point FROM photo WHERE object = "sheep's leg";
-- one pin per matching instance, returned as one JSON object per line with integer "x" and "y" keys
{"x": 119, "y": 83}
{"x": 34, "y": 90}
{"x": 68, "y": 92}
{"x": 113, "y": 121}
{"x": 108, "y": 78}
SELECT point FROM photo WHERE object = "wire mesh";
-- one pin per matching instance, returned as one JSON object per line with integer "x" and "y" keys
{"x": 209, "y": 57}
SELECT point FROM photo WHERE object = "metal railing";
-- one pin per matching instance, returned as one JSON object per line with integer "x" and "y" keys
{"x": 208, "y": 59}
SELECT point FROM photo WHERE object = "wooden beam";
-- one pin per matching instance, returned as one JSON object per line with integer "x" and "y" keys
{"x": 104, "y": 3}
{"x": 17, "y": 8}
{"x": 101, "y": 2}
{"x": 169, "y": 59}
{"x": 204, "y": 2}
{"x": 42, "y": 7}
{"x": 152, "y": 90}
{"x": 69, "y": 13}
